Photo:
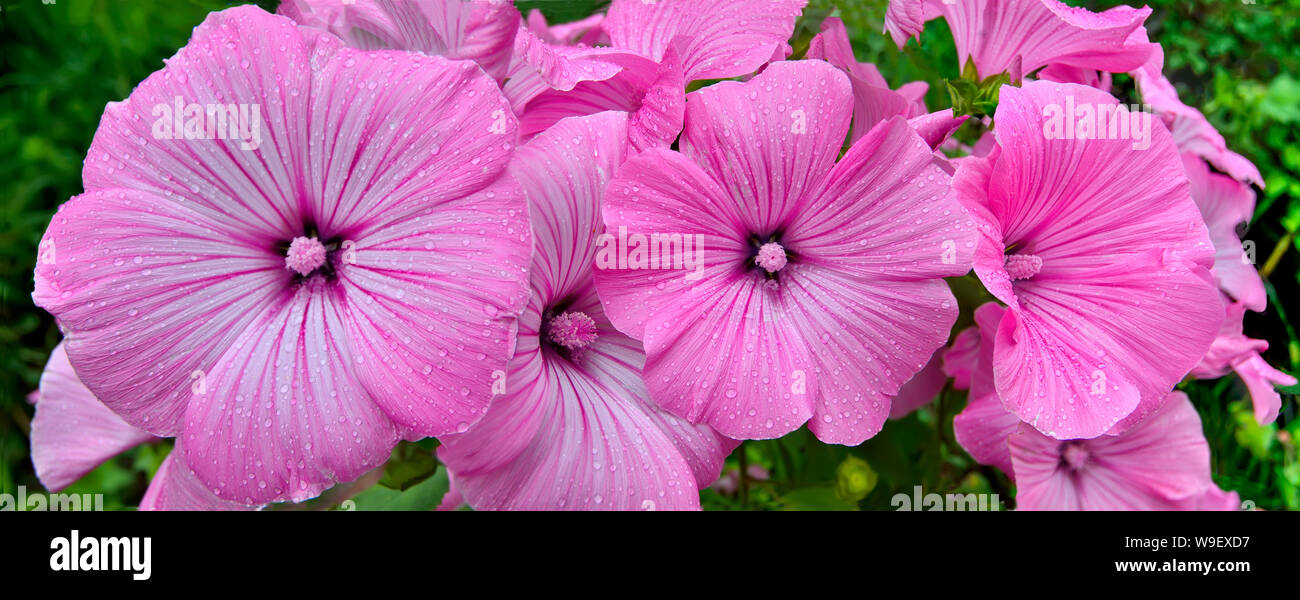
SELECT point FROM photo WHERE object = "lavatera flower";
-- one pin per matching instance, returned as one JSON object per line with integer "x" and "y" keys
{"x": 576, "y": 428}
{"x": 817, "y": 284}
{"x": 290, "y": 311}
{"x": 1101, "y": 258}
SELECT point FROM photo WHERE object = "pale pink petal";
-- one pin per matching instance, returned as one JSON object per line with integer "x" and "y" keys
{"x": 1215, "y": 499}
{"x": 588, "y": 31}
{"x": 175, "y": 487}
{"x": 72, "y": 432}
{"x": 1225, "y": 204}
{"x": 723, "y": 38}
{"x": 961, "y": 357}
{"x": 920, "y": 389}
{"x": 983, "y": 426}
{"x": 1260, "y": 379}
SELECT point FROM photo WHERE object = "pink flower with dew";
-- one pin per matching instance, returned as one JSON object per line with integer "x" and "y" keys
{"x": 479, "y": 30}
{"x": 576, "y": 428}
{"x": 1022, "y": 36}
{"x": 983, "y": 426}
{"x": 657, "y": 49}
{"x": 585, "y": 32}
{"x": 1233, "y": 351}
{"x": 181, "y": 292}
{"x": 74, "y": 432}
{"x": 1101, "y": 258}
{"x": 1162, "y": 463}
{"x": 1192, "y": 132}
{"x": 1226, "y": 205}
{"x": 859, "y": 305}
{"x": 873, "y": 100}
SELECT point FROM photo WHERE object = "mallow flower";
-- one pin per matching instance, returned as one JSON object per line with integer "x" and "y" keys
{"x": 575, "y": 428}
{"x": 1162, "y": 463}
{"x": 479, "y": 30}
{"x": 818, "y": 284}
{"x": 291, "y": 308}
{"x": 656, "y": 49}
{"x": 1100, "y": 255}
{"x": 1232, "y": 351}
{"x": 1226, "y": 205}
{"x": 73, "y": 432}
{"x": 1023, "y": 36}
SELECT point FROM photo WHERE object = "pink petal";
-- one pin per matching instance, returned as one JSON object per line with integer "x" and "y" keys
{"x": 722, "y": 39}
{"x": 1037, "y": 32}
{"x": 920, "y": 389}
{"x": 175, "y": 487}
{"x": 770, "y": 140}
{"x": 588, "y": 31}
{"x": 961, "y": 357}
{"x": 281, "y": 415}
{"x": 73, "y": 432}
{"x": 1260, "y": 379}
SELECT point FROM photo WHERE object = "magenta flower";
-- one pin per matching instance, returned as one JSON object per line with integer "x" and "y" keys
{"x": 576, "y": 428}
{"x": 1022, "y": 36}
{"x": 191, "y": 311}
{"x": 1162, "y": 463}
{"x": 1192, "y": 132}
{"x": 1101, "y": 257}
{"x": 817, "y": 283}
{"x": 479, "y": 30}
{"x": 586, "y": 32}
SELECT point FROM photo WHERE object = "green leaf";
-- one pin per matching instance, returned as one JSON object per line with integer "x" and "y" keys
{"x": 409, "y": 465}
{"x": 817, "y": 498}
{"x": 425, "y": 495}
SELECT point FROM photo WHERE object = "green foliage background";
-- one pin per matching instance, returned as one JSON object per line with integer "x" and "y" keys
{"x": 1238, "y": 62}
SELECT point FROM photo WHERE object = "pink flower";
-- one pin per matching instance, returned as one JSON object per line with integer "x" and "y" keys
{"x": 1225, "y": 205}
{"x": 1192, "y": 132}
{"x": 182, "y": 311}
{"x": 657, "y": 49}
{"x": 586, "y": 32}
{"x": 576, "y": 428}
{"x": 960, "y": 357}
{"x": 857, "y": 309}
{"x": 1022, "y": 36}
{"x": 1163, "y": 463}
{"x": 1101, "y": 258}
{"x": 920, "y": 389}
{"x": 74, "y": 432}
{"x": 983, "y": 426}
{"x": 873, "y": 100}
{"x": 479, "y": 30}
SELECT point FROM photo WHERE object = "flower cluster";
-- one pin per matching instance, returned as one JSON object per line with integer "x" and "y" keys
{"x": 591, "y": 258}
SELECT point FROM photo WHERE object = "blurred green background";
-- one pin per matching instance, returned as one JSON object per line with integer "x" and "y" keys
{"x": 1238, "y": 62}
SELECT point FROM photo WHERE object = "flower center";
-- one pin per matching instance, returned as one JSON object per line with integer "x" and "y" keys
{"x": 572, "y": 330}
{"x": 1022, "y": 266}
{"x": 771, "y": 256}
{"x": 305, "y": 255}
{"x": 1075, "y": 455}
